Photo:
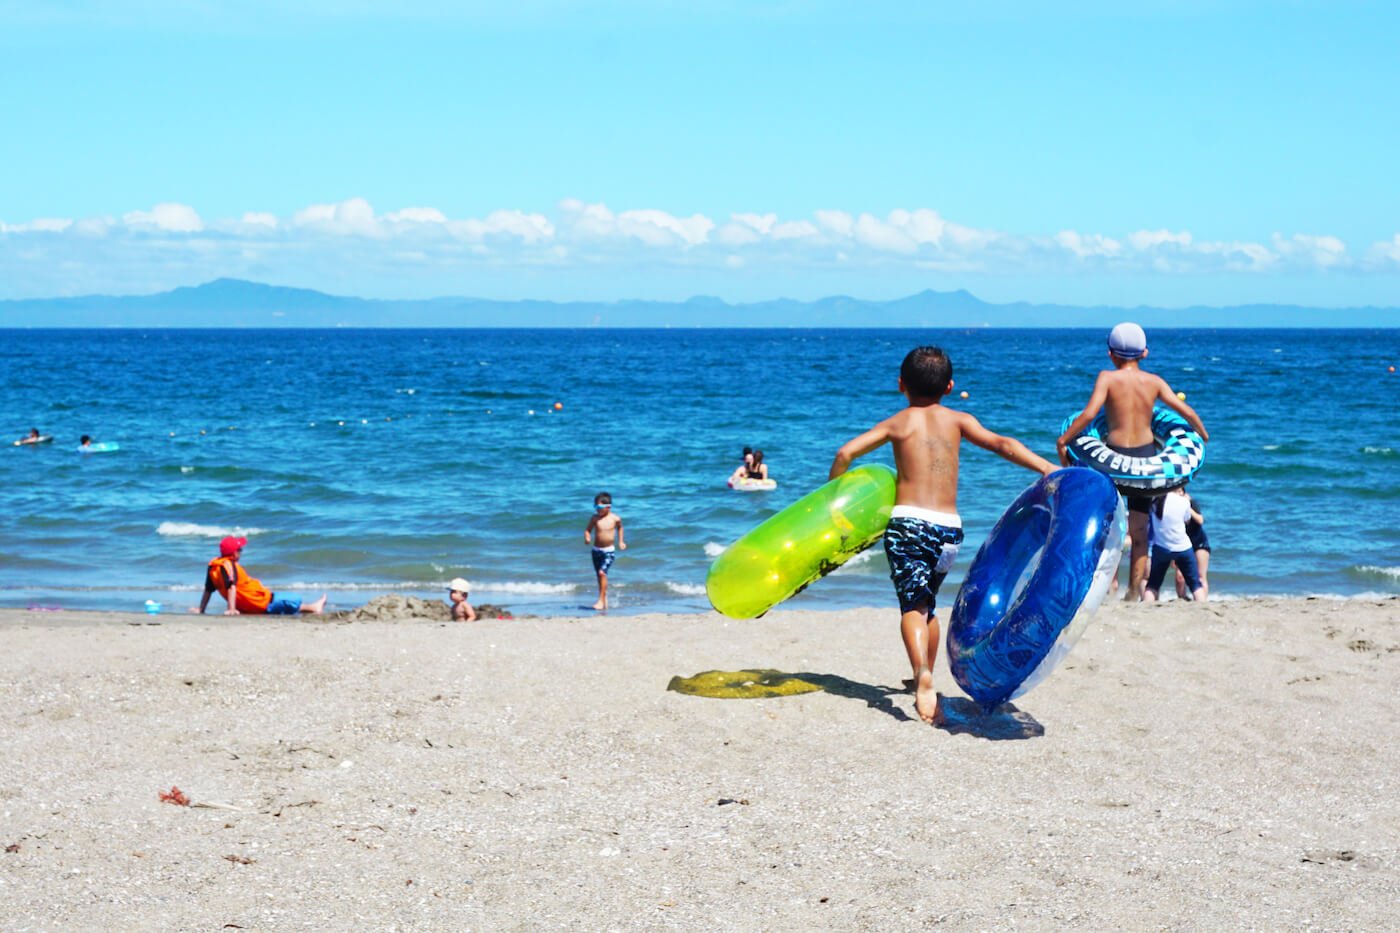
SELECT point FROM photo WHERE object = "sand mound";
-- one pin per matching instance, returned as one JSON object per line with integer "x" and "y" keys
{"x": 395, "y": 608}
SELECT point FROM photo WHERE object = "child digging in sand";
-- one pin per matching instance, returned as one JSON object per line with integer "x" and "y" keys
{"x": 607, "y": 525}
{"x": 924, "y": 532}
{"x": 458, "y": 591}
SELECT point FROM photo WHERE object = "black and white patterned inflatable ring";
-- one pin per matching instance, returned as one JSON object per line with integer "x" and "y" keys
{"x": 1180, "y": 453}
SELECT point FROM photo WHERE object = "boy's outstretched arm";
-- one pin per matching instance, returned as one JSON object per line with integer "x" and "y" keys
{"x": 1168, "y": 398}
{"x": 1081, "y": 421}
{"x": 1006, "y": 447}
{"x": 621, "y": 545}
{"x": 858, "y": 446}
{"x": 588, "y": 532}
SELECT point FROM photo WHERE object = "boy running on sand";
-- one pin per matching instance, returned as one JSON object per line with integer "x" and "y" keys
{"x": 608, "y": 526}
{"x": 1127, "y": 394}
{"x": 924, "y": 532}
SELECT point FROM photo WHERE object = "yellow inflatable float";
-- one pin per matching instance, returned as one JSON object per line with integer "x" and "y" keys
{"x": 805, "y": 541}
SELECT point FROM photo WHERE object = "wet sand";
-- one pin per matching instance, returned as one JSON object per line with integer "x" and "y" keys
{"x": 1226, "y": 766}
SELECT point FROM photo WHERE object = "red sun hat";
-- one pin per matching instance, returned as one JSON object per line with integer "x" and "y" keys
{"x": 231, "y": 546}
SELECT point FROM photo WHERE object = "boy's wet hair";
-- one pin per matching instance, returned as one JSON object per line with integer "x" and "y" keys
{"x": 602, "y": 499}
{"x": 84, "y": 439}
{"x": 926, "y": 372}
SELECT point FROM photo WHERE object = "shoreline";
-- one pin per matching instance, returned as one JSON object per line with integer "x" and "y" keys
{"x": 1226, "y": 765}
{"x": 15, "y": 614}
{"x": 35, "y": 614}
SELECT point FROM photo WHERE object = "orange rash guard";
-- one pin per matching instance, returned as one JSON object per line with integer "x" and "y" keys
{"x": 253, "y": 597}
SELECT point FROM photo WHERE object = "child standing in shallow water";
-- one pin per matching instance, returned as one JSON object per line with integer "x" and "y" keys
{"x": 607, "y": 526}
{"x": 1127, "y": 395}
{"x": 924, "y": 532}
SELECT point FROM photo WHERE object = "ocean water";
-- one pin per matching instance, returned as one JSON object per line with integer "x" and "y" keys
{"x": 368, "y": 462}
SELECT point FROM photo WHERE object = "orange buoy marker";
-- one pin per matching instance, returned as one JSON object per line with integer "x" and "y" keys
{"x": 1392, "y": 369}
{"x": 962, "y": 394}
{"x": 559, "y": 406}
{"x": 1181, "y": 395}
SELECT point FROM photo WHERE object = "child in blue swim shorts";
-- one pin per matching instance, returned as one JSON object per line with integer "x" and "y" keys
{"x": 925, "y": 531}
{"x": 604, "y": 533}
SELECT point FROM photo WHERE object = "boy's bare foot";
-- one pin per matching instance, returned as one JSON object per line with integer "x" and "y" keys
{"x": 600, "y": 606}
{"x": 927, "y": 702}
{"x": 317, "y": 606}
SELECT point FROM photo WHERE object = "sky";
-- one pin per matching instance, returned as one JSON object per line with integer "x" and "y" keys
{"x": 1162, "y": 153}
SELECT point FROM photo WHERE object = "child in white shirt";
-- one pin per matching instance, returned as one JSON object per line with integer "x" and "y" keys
{"x": 1172, "y": 545}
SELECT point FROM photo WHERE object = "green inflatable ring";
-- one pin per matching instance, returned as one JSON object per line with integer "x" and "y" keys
{"x": 805, "y": 541}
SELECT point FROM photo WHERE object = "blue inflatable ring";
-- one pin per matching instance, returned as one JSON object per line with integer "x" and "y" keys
{"x": 1034, "y": 583}
{"x": 1180, "y": 453}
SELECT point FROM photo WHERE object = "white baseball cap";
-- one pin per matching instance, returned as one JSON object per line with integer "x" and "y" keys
{"x": 458, "y": 585}
{"x": 1127, "y": 341}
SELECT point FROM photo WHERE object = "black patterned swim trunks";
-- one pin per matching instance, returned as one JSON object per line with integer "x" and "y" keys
{"x": 920, "y": 553}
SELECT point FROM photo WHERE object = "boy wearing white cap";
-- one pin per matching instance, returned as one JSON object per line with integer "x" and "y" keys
{"x": 462, "y": 610}
{"x": 1127, "y": 394}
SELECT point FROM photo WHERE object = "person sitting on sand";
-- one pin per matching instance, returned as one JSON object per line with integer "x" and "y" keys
{"x": 245, "y": 594}
{"x": 1172, "y": 545}
{"x": 457, "y": 592}
{"x": 924, "y": 532}
{"x": 34, "y": 437}
{"x": 1127, "y": 394}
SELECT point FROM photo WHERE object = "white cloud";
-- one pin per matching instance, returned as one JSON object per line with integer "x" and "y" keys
{"x": 871, "y": 231}
{"x": 795, "y": 230}
{"x": 529, "y": 228}
{"x": 170, "y": 217}
{"x": 38, "y": 225}
{"x": 354, "y": 217}
{"x": 838, "y": 222}
{"x": 1385, "y": 251}
{"x": 1321, "y": 251}
{"x": 421, "y": 240}
{"x": 416, "y": 215}
{"x": 658, "y": 228}
{"x": 1084, "y": 245}
{"x": 1151, "y": 239}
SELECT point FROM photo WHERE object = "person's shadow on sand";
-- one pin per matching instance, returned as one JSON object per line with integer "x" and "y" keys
{"x": 961, "y": 716}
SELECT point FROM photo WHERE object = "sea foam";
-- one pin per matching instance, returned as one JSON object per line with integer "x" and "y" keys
{"x": 191, "y": 530}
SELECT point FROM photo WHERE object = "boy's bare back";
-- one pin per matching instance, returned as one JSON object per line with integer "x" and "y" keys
{"x": 925, "y": 442}
{"x": 925, "y": 437}
{"x": 1128, "y": 398}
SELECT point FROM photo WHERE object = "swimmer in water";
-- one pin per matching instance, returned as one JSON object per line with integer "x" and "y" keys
{"x": 753, "y": 467}
{"x": 34, "y": 437}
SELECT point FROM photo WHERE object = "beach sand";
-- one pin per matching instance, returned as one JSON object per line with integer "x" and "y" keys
{"x": 1228, "y": 766}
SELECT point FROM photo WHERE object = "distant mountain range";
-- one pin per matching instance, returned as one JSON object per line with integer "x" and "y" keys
{"x": 238, "y": 303}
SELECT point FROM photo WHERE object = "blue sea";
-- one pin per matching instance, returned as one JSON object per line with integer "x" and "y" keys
{"x": 361, "y": 462}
